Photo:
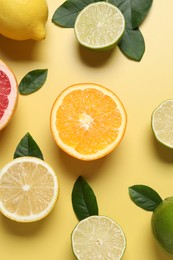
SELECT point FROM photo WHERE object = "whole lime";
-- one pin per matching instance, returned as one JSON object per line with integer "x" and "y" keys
{"x": 162, "y": 224}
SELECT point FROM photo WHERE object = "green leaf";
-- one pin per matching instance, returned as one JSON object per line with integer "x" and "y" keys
{"x": 65, "y": 15}
{"x": 32, "y": 81}
{"x": 134, "y": 11}
{"x": 132, "y": 44}
{"x": 28, "y": 147}
{"x": 83, "y": 199}
{"x": 144, "y": 197}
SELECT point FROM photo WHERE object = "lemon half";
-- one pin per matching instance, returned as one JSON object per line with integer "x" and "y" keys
{"x": 28, "y": 189}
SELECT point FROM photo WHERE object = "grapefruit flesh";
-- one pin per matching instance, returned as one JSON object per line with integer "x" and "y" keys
{"x": 8, "y": 94}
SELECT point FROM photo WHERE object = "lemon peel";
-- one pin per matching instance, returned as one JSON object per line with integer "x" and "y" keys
{"x": 23, "y": 19}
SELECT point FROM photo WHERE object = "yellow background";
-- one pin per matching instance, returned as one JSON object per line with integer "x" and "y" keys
{"x": 139, "y": 159}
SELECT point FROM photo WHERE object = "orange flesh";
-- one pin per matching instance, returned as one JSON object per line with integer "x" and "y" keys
{"x": 88, "y": 121}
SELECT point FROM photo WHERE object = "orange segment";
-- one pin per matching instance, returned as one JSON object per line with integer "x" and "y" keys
{"x": 88, "y": 121}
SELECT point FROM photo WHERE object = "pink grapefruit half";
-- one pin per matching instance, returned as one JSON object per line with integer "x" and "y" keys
{"x": 8, "y": 94}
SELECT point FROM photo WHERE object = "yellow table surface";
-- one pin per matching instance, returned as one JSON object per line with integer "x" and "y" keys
{"x": 139, "y": 159}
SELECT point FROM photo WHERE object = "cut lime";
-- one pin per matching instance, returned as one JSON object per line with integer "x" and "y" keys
{"x": 99, "y": 26}
{"x": 98, "y": 237}
{"x": 162, "y": 123}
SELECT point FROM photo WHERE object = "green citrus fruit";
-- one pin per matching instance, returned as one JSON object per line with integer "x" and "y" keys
{"x": 162, "y": 224}
{"x": 162, "y": 123}
{"x": 98, "y": 237}
{"x": 99, "y": 26}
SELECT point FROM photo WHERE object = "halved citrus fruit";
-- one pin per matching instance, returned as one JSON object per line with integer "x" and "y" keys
{"x": 88, "y": 121}
{"x": 98, "y": 237}
{"x": 28, "y": 189}
{"x": 99, "y": 25}
{"x": 162, "y": 123}
{"x": 8, "y": 94}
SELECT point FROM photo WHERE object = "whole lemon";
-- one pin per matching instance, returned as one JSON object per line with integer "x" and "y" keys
{"x": 23, "y": 19}
{"x": 162, "y": 224}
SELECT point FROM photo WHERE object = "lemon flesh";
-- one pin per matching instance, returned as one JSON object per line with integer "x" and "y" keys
{"x": 162, "y": 123}
{"x": 23, "y": 19}
{"x": 28, "y": 189}
{"x": 99, "y": 26}
{"x": 162, "y": 224}
{"x": 98, "y": 237}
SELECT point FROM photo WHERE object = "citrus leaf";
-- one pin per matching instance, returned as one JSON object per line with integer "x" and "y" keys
{"x": 32, "y": 81}
{"x": 132, "y": 44}
{"x": 83, "y": 199}
{"x": 28, "y": 147}
{"x": 134, "y": 11}
{"x": 65, "y": 15}
{"x": 144, "y": 197}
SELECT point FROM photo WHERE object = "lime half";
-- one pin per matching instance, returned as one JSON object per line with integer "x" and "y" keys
{"x": 162, "y": 123}
{"x": 98, "y": 237}
{"x": 99, "y": 26}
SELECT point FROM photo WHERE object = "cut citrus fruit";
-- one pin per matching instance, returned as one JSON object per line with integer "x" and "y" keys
{"x": 8, "y": 94}
{"x": 87, "y": 121}
{"x": 99, "y": 26}
{"x": 28, "y": 189}
{"x": 98, "y": 237}
{"x": 162, "y": 123}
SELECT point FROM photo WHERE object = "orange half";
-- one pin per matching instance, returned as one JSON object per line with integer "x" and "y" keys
{"x": 88, "y": 121}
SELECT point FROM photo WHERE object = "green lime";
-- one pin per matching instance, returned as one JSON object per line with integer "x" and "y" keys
{"x": 162, "y": 224}
{"x": 162, "y": 123}
{"x": 99, "y": 26}
{"x": 98, "y": 237}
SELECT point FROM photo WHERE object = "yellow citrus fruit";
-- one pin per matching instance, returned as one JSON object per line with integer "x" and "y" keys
{"x": 98, "y": 237}
{"x": 23, "y": 19}
{"x": 28, "y": 189}
{"x": 162, "y": 224}
{"x": 99, "y": 26}
{"x": 8, "y": 94}
{"x": 88, "y": 121}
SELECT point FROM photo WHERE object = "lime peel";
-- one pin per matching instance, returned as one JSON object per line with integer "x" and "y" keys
{"x": 162, "y": 224}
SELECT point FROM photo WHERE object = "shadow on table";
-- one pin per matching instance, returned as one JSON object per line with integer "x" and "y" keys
{"x": 23, "y": 229}
{"x": 17, "y": 50}
{"x": 164, "y": 153}
{"x": 95, "y": 58}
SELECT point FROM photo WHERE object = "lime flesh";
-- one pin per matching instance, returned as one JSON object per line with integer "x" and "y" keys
{"x": 162, "y": 224}
{"x": 99, "y": 26}
{"x": 98, "y": 237}
{"x": 162, "y": 123}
